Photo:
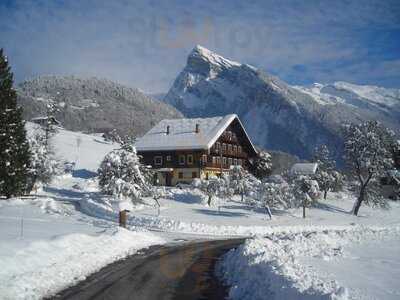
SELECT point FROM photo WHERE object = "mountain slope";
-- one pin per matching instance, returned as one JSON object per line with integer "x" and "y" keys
{"x": 93, "y": 105}
{"x": 276, "y": 115}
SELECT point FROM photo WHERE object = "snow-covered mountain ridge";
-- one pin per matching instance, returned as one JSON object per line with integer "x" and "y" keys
{"x": 277, "y": 115}
{"x": 353, "y": 94}
{"x": 92, "y": 104}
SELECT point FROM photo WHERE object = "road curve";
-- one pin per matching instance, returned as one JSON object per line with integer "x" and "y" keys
{"x": 183, "y": 271}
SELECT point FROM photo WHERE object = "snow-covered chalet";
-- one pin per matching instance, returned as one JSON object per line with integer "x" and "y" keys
{"x": 183, "y": 149}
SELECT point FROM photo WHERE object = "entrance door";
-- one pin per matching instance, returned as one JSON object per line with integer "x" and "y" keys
{"x": 168, "y": 179}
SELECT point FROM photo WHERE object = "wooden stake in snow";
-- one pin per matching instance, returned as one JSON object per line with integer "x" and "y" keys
{"x": 122, "y": 218}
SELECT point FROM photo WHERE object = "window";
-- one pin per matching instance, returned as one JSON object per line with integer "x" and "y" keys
{"x": 214, "y": 160}
{"x": 204, "y": 159}
{"x": 239, "y": 149}
{"x": 180, "y": 175}
{"x": 218, "y": 160}
{"x": 224, "y": 160}
{"x": 158, "y": 160}
{"x": 194, "y": 174}
{"x": 229, "y": 148}
{"x": 217, "y": 147}
{"x": 239, "y": 162}
{"x": 181, "y": 159}
{"x": 229, "y": 161}
{"x": 234, "y": 149}
{"x": 223, "y": 147}
{"x": 189, "y": 159}
{"x": 235, "y": 161}
{"x": 168, "y": 157}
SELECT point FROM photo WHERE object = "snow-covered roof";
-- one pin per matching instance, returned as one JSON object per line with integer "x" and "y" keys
{"x": 45, "y": 119}
{"x": 304, "y": 168}
{"x": 182, "y": 134}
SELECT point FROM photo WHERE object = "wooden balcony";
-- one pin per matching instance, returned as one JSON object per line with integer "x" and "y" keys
{"x": 233, "y": 154}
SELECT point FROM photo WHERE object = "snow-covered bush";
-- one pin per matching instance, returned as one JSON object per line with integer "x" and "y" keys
{"x": 261, "y": 166}
{"x": 120, "y": 175}
{"x": 339, "y": 182}
{"x": 241, "y": 182}
{"x": 112, "y": 136}
{"x": 327, "y": 177}
{"x": 69, "y": 167}
{"x": 43, "y": 165}
{"x": 212, "y": 187}
{"x": 275, "y": 192}
{"x": 270, "y": 195}
{"x": 368, "y": 154}
{"x": 304, "y": 191}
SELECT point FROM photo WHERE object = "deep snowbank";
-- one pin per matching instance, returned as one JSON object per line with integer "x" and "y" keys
{"x": 273, "y": 268}
{"x": 47, "y": 266}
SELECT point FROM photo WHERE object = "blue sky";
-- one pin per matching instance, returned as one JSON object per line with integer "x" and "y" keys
{"x": 145, "y": 43}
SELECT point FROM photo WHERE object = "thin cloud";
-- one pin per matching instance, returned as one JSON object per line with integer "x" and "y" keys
{"x": 145, "y": 43}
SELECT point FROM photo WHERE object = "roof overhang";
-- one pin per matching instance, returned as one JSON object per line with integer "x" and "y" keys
{"x": 222, "y": 129}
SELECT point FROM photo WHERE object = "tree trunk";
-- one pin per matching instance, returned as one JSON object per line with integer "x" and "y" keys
{"x": 268, "y": 211}
{"x": 209, "y": 201}
{"x": 325, "y": 193}
{"x": 359, "y": 201}
{"x": 242, "y": 196}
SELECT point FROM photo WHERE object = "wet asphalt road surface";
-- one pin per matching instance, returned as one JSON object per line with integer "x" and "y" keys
{"x": 183, "y": 271}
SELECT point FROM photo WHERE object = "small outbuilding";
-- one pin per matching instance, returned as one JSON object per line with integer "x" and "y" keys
{"x": 44, "y": 121}
{"x": 307, "y": 169}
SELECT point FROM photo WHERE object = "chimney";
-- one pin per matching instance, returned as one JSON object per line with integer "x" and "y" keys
{"x": 197, "y": 128}
{"x": 167, "y": 129}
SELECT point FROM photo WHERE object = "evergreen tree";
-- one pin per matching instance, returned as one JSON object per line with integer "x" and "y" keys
{"x": 14, "y": 147}
{"x": 261, "y": 166}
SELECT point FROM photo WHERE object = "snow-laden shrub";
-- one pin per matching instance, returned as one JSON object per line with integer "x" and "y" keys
{"x": 241, "y": 182}
{"x": 43, "y": 165}
{"x": 275, "y": 195}
{"x": 120, "y": 175}
{"x": 213, "y": 187}
{"x": 327, "y": 176}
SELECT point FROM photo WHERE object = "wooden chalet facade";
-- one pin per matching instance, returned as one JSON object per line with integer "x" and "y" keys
{"x": 183, "y": 149}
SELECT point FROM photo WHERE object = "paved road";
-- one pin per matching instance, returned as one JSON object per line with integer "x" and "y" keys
{"x": 174, "y": 272}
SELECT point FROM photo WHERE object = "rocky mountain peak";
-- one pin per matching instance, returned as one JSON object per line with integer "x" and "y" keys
{"x": 208, "y": 63}
{"x": 277, "y": 115}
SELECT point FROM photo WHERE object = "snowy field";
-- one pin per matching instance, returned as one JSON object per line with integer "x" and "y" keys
{"x": 47, "y": 244}
{"x": 329, "y": 255}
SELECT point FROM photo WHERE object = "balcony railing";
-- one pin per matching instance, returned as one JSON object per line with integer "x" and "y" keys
{"x": 217, "y": 152}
